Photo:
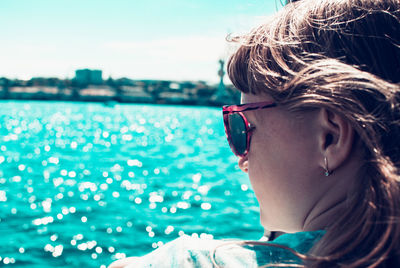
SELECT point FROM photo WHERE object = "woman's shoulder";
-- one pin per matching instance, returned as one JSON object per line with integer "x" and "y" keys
{"x": 302, "y": 242}
{"x": 188, "y": 251}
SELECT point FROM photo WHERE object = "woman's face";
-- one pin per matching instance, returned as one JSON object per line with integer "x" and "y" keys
{"x": 283, "y": 165}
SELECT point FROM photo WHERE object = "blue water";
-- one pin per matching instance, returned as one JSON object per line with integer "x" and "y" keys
{"x": 83, "y": 184}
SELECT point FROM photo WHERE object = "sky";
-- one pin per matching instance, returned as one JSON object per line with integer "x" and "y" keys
{"x": 147, "y": 39}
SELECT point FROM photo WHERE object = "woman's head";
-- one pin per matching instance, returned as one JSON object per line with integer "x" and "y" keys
{"x": 341, "y": 57}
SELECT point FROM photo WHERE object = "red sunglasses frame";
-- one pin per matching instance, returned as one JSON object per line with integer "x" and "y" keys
{"x": 240, "y": 108}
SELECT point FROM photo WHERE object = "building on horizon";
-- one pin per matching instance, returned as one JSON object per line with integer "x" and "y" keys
{"x": 88, "y": 76}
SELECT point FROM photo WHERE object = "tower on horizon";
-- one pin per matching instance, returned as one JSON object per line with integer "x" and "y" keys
{"x": 221, "y": 95}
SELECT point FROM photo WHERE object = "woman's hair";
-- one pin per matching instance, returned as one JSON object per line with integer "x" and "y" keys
{"x": 343, "y": 55}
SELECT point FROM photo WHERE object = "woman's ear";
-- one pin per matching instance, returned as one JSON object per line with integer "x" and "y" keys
{"x": 336, "y": 138}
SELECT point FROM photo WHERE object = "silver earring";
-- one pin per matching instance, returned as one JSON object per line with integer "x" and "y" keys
{"x": 327, "y": 172}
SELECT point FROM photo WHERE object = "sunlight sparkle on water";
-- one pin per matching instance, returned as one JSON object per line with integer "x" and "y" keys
{"x": 86, "y": 178}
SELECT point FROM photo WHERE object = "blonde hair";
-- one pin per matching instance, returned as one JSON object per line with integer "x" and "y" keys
{"x": 343, "y": 55}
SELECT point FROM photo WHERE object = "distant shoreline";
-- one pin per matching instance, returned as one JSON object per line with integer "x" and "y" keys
{"x": 192, "y": 94}
{"x": 111, "y": 101}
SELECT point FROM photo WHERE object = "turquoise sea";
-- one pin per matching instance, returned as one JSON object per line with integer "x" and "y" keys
{"x": 83, "y": 184}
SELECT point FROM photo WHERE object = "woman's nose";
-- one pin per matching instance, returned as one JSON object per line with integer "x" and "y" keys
{"x": 243, "y": 163}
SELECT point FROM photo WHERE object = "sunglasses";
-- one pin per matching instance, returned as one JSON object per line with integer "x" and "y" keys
{"x": 237, "y": 128}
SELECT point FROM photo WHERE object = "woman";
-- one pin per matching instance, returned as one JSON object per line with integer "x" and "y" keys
{"x": 318, "y": 134}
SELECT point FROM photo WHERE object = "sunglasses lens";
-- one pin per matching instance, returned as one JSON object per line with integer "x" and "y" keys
{"x": 237, "y": 130}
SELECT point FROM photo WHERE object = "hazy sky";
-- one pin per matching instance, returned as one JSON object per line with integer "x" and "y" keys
{"x": 146, "y": 39}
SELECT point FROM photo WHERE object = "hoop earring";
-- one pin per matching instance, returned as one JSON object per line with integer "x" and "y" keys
{"x": 327, "y": 172}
